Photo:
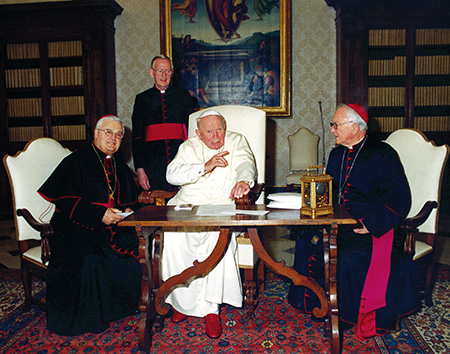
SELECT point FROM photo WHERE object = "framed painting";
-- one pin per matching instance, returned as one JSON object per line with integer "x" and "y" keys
{"x": 231, "y": 51}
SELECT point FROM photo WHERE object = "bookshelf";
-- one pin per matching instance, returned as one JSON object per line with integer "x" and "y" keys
{"x": 393, "y": 58}
{"x": 57, "y": 74}
{"x": 24, "y": 86}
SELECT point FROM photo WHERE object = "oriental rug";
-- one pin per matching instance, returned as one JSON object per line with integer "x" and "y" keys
{"x": 276, "y": 328}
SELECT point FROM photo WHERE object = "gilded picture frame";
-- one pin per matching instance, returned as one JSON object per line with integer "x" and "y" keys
{"x": 231, "y": 51}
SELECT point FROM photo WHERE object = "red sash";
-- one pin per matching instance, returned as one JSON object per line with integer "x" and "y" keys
{"x": 165, "y": 131}
{"x": 110, "y": 204}
{"x": 373, "y": 296}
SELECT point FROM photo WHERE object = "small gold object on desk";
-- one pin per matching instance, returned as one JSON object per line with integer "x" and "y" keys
{"x": 317, "y": 197}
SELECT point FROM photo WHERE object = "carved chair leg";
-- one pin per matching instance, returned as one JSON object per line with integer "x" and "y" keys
{"x": 158, "y": 322}
{"x": 428, "y": 283}
{"x": 249, "y": 287}
{"x": 26, "y": 281}
{"x": 260, "y": 275}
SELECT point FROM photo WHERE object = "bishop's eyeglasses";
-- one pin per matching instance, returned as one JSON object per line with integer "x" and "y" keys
{"x": 109, "y": 133}
{"x": 336, "y": 125}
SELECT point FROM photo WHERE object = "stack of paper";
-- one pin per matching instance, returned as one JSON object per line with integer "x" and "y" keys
{"x": 285, "y": 200}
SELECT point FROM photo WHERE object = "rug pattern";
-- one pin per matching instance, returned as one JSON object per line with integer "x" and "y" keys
{"x": 277, "y": 328}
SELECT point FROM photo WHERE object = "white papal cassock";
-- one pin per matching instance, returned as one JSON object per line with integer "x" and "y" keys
{"x": 182, "y": 246}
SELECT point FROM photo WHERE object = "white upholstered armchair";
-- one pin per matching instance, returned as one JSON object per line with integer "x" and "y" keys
{"x": 27, "y": 171}
{"x": 251, "y": 122}
{"x": 424, "y": 164}
{"x": 303, "y": 150}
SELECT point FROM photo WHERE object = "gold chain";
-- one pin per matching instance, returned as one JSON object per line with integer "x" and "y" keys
{"x": 112, "y": 191}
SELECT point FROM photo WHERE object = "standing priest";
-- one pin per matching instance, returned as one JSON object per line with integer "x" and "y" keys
{"x": 93, "y": 274}
{"x": 160, "y": 118}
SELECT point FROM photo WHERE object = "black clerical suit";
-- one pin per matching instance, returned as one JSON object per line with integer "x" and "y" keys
{"x": 93, "y": 274}
{"x": 369, "y": 181}
{"x": 155, "y": 143}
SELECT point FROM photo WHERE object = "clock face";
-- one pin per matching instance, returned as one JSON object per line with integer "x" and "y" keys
{"x": 321, "y": 188}
{"x": 322, "y": 194}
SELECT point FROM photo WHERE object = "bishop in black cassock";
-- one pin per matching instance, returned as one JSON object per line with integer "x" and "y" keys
{"x": 94, "y": 274}
{"x": 376, "y": 281}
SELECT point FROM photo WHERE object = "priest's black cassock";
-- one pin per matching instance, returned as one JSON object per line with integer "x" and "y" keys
{"x": 94, "y": 273}
{"x": 369, "y": 181}
{"x": 160, "y": 121}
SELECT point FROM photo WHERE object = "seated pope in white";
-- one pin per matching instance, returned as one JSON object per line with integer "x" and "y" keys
{"x": 214, "y": 167}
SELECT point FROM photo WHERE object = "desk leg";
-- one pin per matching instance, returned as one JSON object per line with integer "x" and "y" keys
{"x": 330, "y": 260}
{"x": 199, "y": 269}
{"x": 297, "y": 279}
{"x": 147, "y": 300}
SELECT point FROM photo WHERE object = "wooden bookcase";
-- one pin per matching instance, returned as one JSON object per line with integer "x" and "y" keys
{"x": 57, "y": 74}
{"x": 393, "y": 58}
{"x": 45, "y": 100}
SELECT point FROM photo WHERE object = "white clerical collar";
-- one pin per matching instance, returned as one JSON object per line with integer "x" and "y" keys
{"x": 351, "y": 147}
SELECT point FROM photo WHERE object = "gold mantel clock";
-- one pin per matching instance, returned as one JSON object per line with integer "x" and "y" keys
{"x": 316, "y": 190}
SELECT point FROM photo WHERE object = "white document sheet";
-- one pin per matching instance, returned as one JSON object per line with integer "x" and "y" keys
{"x": 228, "y": 209}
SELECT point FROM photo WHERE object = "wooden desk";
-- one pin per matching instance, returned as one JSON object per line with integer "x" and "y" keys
{"x": 150, "y": 218}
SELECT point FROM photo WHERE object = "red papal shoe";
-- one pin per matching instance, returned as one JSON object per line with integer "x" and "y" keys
{"x": 178, "y": 316}
{"x": 213, "y": 327}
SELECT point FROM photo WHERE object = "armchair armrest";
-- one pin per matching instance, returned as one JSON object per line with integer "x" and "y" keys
{"x": 45, "y": 229}
{"x": 410, "y": 225}
{"x": 155, "y": 196}
{"x": 252, "y": 196}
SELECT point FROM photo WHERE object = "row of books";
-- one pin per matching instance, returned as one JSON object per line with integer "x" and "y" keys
{"x": 387, "y": 37}
{"x": 31, "y": 77}
{"x": 69, "y": 132}
{"x": 58, "y": 49}
{"x": 18, "y": 78}
{"x": 432, "y": 95}
{"x": 386, "y": 96}
{"x": 65, "y": 49}
{"x": 397, "y": 37}
{"x": 424, "y": 65}
{"x": 19, "y": 134}
{"x": 387, "y": 67}
{"x": 432, "y": 124}
{"x": 426, "y": 124}
{"x": 22, "y": 51}
{"x": 433, "y": 36}
{"x": 395, "y": 96}
{"x": 67, "y": 106}
{"x": 32, "y": 107}
{"x": 433, "y": 65}
{"x": 389, "y": 124}
{"x": 66, "y": 76}
{"x": 59, "y": 132}
{"x": 25, "y": 107}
